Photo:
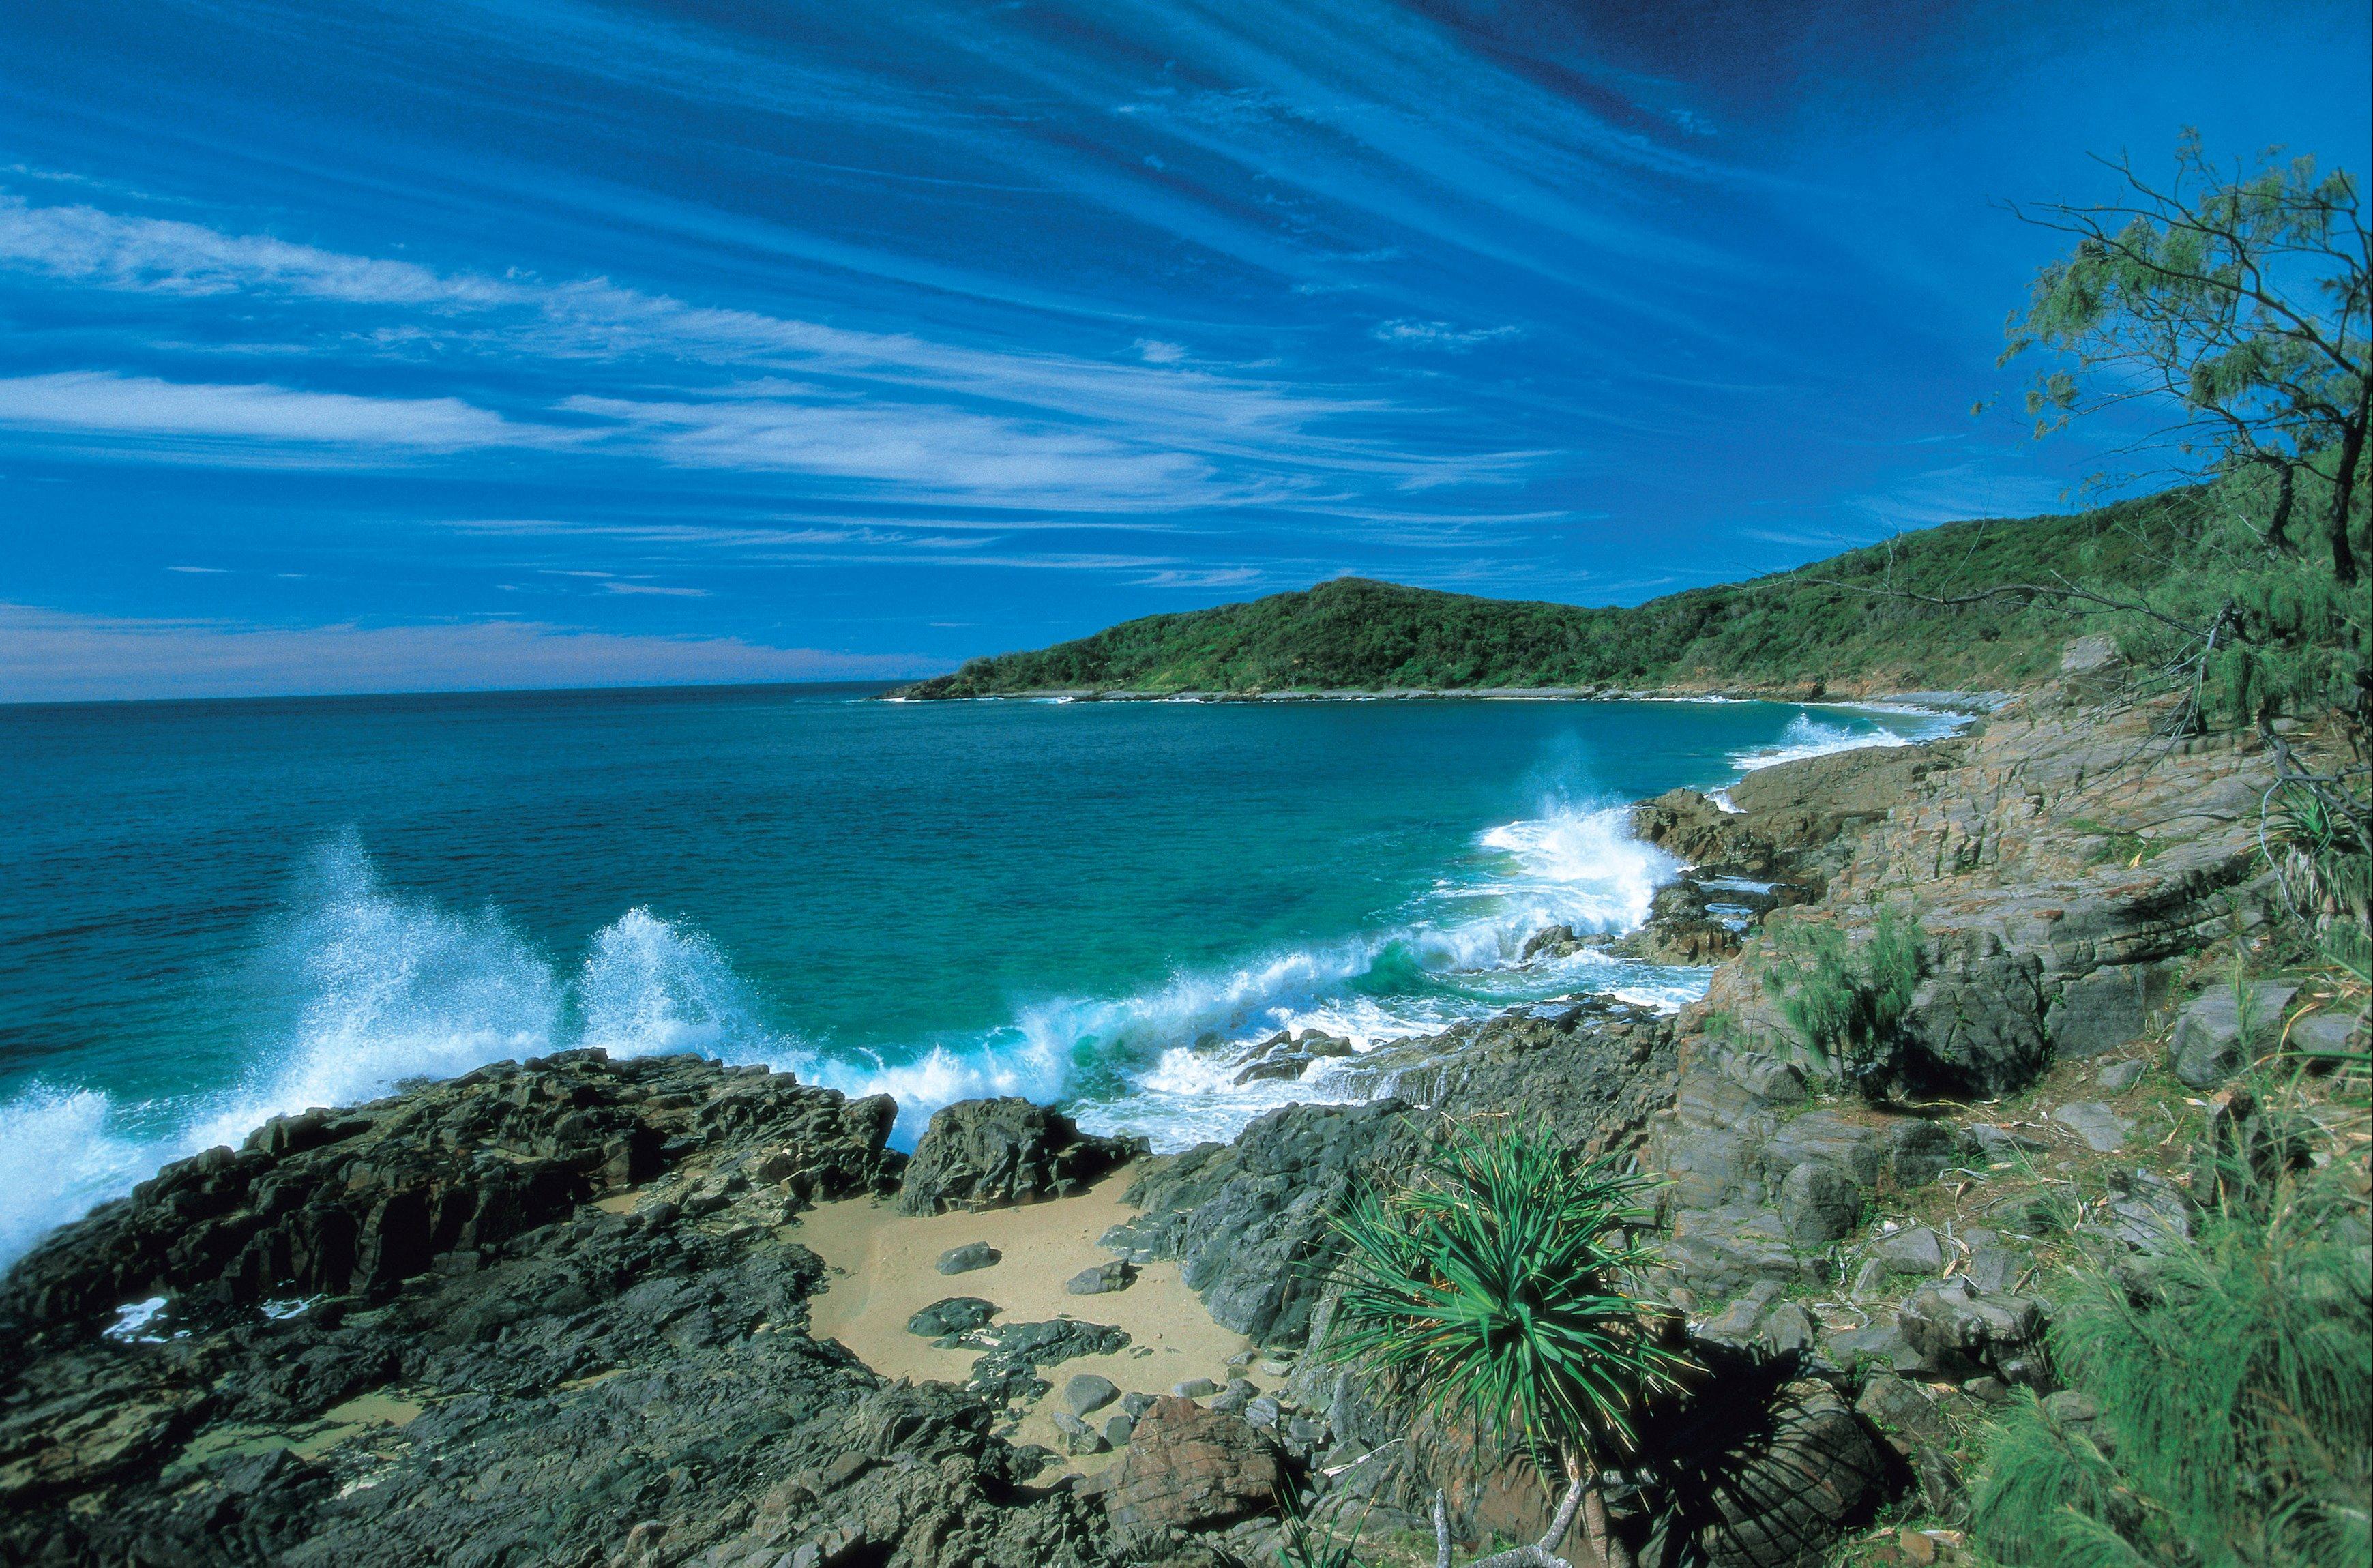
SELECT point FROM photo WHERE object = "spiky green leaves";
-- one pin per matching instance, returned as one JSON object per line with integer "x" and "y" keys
{"x": 1497, "y": 1283}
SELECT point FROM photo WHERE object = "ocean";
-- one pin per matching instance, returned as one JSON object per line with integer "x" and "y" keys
{"x": 213, "y": 911}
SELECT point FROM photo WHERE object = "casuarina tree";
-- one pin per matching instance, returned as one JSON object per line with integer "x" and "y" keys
{"x": 2239, "y": 303}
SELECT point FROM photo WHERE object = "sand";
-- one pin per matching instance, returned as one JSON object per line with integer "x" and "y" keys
{"x": 883, "y": 1272}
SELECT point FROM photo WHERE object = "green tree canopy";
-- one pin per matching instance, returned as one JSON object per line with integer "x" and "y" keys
{"x": 2239, "y": 301}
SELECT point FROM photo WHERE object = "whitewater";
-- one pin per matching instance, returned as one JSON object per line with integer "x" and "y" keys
{"x": 375, "y": 985}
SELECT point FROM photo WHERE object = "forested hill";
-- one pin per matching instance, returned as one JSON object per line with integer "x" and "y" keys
{"x": 1783, "y": 631}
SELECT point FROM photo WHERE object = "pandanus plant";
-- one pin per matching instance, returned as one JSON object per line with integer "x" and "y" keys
{"x": 1496, "y": 1283}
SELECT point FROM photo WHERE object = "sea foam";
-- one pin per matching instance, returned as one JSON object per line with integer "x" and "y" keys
{"x": 380, "y": 988}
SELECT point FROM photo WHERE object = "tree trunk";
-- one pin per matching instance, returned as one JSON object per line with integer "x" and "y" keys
{"x": 2278, "y": 531}
{"x": 2344, "y": 485}
{"x": 1595, "y": 1528}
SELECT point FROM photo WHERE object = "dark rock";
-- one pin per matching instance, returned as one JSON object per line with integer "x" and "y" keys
{"x": 1915, "y": 1251}
{"x": 1101, "y": 1280}
{"x": 1120, "y": 1429}
{"x": 1791, "y": 1486}
{"x": 1287, "y": 1064}
{"x": 1018, "y": 1349}
{"x": 588, "y": 1378}
{"x": 1550, "y": 942}
{"x": 1790, "y": 1330}
{"x": 1088, "y": 1393}
{"x": 1962, "y": 1331}
{"x": 955, "y": 1315}
{"x": 2102, "y": 1129}
{"x": 1249, "y": 1221}
{"x": 1189, "y": 1469}
{"x": 971, "y": 1256}
{"x": 1233, "y": 1399}
{"x": 2244, "y": 1150}
{"x": 1819, "y": 1204}
{"x": 2103, "y": 1009}
{"x": 2146, "y": 1212}
{"x": 365, "y": 1199}
{"x": 1903, "y": 1410}
{"x": 1918, "y": 1151}
{"x": 1731, "y": 1247}
{"x": 1193, "y": 1388}
{"x": 2119, "y": 1076}
{"x": 1997, "y": 1270}
{"x": 1882, "y": 1342}
{"x": 988, "y": 1153}
{"x": 2213, "y": 1040}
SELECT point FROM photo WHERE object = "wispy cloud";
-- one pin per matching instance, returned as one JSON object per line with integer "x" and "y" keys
{"x": 1438, "y": 334}
{"x": 55, "y": 656}
{"x": 102, "y": 402}
{"x": 935, "y": 449}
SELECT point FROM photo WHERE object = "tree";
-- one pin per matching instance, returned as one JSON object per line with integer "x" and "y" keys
{"x": 2244, "y": 302}
{"x": 1494, "y": 1282}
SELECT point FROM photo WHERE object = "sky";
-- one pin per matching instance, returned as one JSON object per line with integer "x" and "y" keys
{"x": 512, "y": 343}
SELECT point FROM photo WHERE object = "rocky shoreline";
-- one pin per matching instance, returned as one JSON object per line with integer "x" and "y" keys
{"x": 560, "y": 1311}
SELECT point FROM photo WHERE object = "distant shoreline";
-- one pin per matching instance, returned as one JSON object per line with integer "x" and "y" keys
{"x": 1815, "y": 695}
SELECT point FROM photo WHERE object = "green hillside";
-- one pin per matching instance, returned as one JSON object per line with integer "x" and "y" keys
{"x": 1782, "y": 631}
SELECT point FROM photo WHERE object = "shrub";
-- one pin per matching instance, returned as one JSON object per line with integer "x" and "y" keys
{"x": 1848, "y": 1004}
{"x": 2229, "y": 1419}
{"x": 1496, "y": 1283}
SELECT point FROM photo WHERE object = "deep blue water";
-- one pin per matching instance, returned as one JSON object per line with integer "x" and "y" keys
{"x": 212, "y": 911}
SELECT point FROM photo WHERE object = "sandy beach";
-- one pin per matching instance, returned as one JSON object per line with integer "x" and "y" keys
{"x": 883, "y": 1272}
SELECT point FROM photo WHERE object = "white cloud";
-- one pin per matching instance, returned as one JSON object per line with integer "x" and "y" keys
{"x": 55, "y": 656}
{"x": 1437, "y": 335}
{"x": 945, "y": 449}
{"x": 101, "y": 402}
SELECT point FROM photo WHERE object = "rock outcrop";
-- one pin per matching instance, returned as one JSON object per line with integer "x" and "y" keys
{"x": 989, "y": 1153}
{"x": 1189, "y": 1469}
{"x": 563, "y": 1324}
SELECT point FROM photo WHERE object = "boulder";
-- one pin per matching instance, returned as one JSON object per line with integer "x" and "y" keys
{"x": 1997, "y": 1270}
{"x": 1250, "y": 1222}
{"x": 1819, "y": 1204}
{"x": 2103, "y": 1009}
{"x": 1903, "y": 1410}
{"x": 2102, "y": 1129}
{"x": 2214, "y": 1039}
{"x": 1783, "y": 1497}
{"x": 953, "y": 1314}
{"x": 964, "y": 1260}
{"x": 1550, "y": 942}
{"x": 988, "y": 1153}
{"x": 1088, "y": 1393}
{"x": 1189, "y": 1469}
{"x": 1101, "y": 1280}
{"x": 2119, "y": 1076}
{"x": 1914, "y": 1251}
{"x": 1790, "y": 1330}
{"x": 1962, "y": 1331}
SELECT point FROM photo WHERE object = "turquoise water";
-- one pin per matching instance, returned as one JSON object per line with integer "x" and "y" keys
{"x": 212, "y": 911}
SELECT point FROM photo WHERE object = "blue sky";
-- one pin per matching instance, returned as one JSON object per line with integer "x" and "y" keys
{"x": 350, "y": 348}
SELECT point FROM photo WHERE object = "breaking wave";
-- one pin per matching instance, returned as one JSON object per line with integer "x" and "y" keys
{"x": 373, "y": 989}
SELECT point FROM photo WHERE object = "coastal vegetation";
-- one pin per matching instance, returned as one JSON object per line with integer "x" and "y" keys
{"x": 1496, "y": 1284}
{"x": 1981, "y": 606}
